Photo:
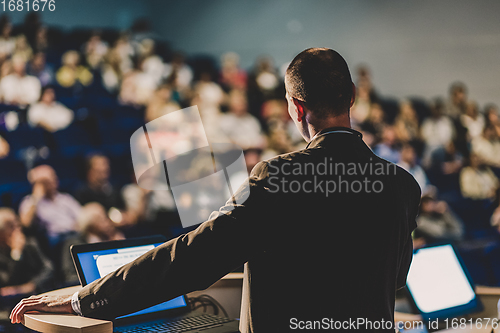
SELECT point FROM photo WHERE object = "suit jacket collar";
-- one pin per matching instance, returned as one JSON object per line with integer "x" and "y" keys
{"x": 324, "y": 133}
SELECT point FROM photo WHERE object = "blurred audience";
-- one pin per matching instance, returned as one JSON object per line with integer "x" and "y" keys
{"x": 437, "y": 131}
{"x": 104, "y": 76}
{"x": 39, "y": 68}
{"x": 24, "y": 270}
{"x": 477, "y": 181}
{"x": 238, "y": 125}
{"x": 48, "y": 113}
{"x": 7, "y": 41}
{"x": 98, "y": 187}
{"x": 406, "y": 124}
{"x": 408, "y": 161}
{"x": 72, "y": 72}
{"x": 95, "y": 50}
{"x": 487, "y": 147}
{"x": 161, "y": 103}
{"x": 47, "y": 209}
{"x": 388, "y": 146}
{"x": 231, "y": 75}
{"x": 437, "y": 223}
{"x": 19, "y": 88}
{"x": 472, "y": 120}
{"x": 94, "y": 227}
{"x": 457, "y": 102}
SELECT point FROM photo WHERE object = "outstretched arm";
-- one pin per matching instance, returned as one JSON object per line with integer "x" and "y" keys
{"x": 190, "y": 262}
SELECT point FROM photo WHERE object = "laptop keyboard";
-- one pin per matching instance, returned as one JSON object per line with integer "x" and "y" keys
{"x": 185, "y": 324}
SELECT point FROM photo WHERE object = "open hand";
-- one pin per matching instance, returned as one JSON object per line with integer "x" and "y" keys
{"x": 56, "y": 304}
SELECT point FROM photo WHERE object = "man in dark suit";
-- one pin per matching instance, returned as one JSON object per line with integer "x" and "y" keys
{"x": 325, "y": 234}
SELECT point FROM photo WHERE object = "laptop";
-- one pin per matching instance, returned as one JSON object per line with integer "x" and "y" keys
{"x": 93, "y": 261}
{"x": 440, "y": 287}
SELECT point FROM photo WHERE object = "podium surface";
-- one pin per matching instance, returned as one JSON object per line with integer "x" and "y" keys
{"x": 65, "y": 323}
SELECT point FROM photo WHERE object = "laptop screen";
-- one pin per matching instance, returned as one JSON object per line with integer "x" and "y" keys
{"x": 98, "y": 263}
{"x": 439, "y": 283}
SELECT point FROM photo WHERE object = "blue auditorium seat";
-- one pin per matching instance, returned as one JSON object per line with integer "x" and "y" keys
{"x": 24, "y": 137}
{"x": 72, "y": 141}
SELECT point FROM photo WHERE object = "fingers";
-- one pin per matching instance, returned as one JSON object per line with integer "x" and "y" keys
{"x": 27, "y": 304}
{"x": 60, "y": 304}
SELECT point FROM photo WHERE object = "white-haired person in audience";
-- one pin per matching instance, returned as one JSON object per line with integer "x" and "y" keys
{"x": 437, "y": 131}
{"x": 19, "y": 88}
{"x": 49, "y": 113}
{"x": 48, "y": 209}
{"x": 95, "y": 226}
{"x": 24, "y": 269}
{"x": 473, "y": 120}
{"x": 477, "y": 181}
{"x": 487, "y": 147}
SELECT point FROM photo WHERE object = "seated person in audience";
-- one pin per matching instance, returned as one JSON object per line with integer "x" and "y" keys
{"x": 208, "y": 96}
{"x": 48, "y": 113}
{"x": 137, "y": 87}
{"x": 457, "y": 102}
{"x": 95, "y": 50}
{"x": 238, "y": 125}
{"x": 477, "y": 181}
{"x": 38, "y": 67}
{"x": 18, "y": 88}
{"x": 492, "y": 117}
{"x": 437, "y": 223}
{"x": 375, "y": 123}
{"x": 152, "y": 65}
{"x": 437, "y": 131}
{"x": 362, "y": 104}
{"x": 148, "y": 206}
{"x": 406, "y": 124}
{"x": 95, "y": 226}
{"x": 98, "y": 187}
{"x": 408, "y": 161}
{"x": 7, "y": 41}
{"x": 161, "y": 103}
{"x": 487, "y": 147}
{"x": 388, "y": 149}
{"x": 48, "y": 209}
{"x": 71, "y": 72}
{"x": 24, "y": 269}
{"x": 4, "y": 148}
{"x": 179, "y": 74}
{"x": 23, "y": 48}
{"x": 232, "y": 76}
{"x": 446, "y": 161}
{"x": 473, "y": 120}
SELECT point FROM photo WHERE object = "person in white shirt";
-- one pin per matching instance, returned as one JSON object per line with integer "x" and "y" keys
{"x": 473, "y": 121}
{"x": 54, "y": 211}
{"x": 19, "y": 88}
{"x": 437, "y": 131}
{"x": 239, "y": 126}
{"x": 48, "y": 113}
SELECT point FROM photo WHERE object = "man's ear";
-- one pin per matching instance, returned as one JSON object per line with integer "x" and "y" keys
{"x": 353, "y": 98}
{"x": 299, "y": 105}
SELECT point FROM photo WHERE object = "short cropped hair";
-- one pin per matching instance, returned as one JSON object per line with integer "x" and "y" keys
{"x": 320, "y": 78}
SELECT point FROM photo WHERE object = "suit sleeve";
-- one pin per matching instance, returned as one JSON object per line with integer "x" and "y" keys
{"x": 407, "y": 252}
{"x": 190, "y": 262}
